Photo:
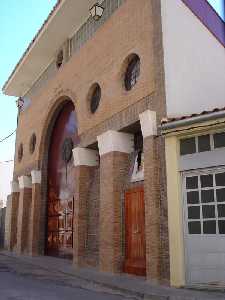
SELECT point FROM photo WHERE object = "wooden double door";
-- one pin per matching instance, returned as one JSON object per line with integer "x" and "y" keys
{"x": 60, "y": 202}
{"x": 135, "y": 252}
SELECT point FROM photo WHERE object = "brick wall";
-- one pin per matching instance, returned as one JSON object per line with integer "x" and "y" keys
{"x": 8, "y": 222}
{"x": 99, "y": 60}
{"x": 130, "y": 29}
{"x": 113, "y": 170}
{"x": 92, "y": 244}
{"x": 23, "y": 220}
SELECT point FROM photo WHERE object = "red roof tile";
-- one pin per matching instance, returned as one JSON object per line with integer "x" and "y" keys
{"x": 205, "y": 112}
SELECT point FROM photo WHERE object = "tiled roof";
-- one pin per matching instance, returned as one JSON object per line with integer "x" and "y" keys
{"x": 33, "y": 40}
{"x": 205, "y": 112}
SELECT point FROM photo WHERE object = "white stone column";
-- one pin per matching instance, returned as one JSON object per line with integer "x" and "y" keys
{"x": 85, "y": 157}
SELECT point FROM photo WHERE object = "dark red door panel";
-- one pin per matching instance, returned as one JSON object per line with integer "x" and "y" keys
{"x": 61, "y": 184}
{"x": 135, "y": 257}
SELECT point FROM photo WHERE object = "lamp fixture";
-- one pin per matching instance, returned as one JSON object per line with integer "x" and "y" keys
{"x": 96, "y": 11}
{"x": 19, "y": 103}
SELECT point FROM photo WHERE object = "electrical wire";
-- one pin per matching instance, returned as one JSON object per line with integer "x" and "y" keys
{"x": 8, "y": 136}
{"x": 6, "y": 161}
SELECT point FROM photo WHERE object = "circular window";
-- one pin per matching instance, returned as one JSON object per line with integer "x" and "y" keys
{"x": 95, "y": 97}
{"x": 20, "y": 152}
{"x": 33, "y": 141}
{"x": 132, "y": 72}
{"x": 59, "y": 59}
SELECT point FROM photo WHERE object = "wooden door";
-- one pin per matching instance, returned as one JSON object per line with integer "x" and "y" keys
{"x": 135, "y": 257}
{"x": 61, "y": 184}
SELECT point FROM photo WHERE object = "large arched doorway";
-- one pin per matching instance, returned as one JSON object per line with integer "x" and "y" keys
{"x": 60, "y": 193}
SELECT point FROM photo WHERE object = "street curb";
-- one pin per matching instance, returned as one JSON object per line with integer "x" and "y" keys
{"x": 128, "y": 291}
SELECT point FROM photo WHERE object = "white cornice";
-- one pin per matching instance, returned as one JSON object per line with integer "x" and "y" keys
{"x": 112, "y": 141}
{"x": 50, "y": 38}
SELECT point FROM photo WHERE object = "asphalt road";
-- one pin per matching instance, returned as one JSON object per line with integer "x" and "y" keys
{"x": 26, "y": 282}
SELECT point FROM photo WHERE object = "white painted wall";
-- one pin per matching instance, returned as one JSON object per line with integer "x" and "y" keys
{"x": 6, "y": 175}
{"x": 194, "y": 62}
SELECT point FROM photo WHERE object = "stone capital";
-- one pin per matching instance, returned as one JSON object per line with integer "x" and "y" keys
{"x": 15, "y": 187}
{"x": 85, "y": 157}
{"x": 111, "y": 141}
{"x": 148, "y": 123}
{"x": 36, "y": 176}
{"x": 25, "y": 182}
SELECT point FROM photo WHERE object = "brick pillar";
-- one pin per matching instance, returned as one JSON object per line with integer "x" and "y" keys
{"x": 114, "y": 148}
{"x": 24, "y": 213}
{"x": 151, "y": 195}
{"x": 84, "y": 160}
{"x": 34, "y": 222}
{"x": 12, "y": 213}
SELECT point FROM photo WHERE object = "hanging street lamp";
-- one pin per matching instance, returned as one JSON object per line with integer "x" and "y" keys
{"x": 19, "y": 103}
{"x": 96, "y": 11}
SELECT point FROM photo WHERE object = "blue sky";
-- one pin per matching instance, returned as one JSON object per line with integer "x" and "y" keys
{"x": 19, "y": 21}
{"x": 218, "y": 6}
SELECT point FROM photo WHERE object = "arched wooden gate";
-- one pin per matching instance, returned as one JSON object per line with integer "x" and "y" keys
{"x": 60, "y": 195}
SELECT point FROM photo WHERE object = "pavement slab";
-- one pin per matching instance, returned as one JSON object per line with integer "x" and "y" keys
{"x": 61, "y": 274}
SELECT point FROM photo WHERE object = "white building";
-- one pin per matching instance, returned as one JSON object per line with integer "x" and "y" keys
{"x": 6, "y": 174}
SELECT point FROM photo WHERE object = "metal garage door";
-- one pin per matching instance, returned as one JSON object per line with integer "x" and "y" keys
{"x": 204, "y": 226}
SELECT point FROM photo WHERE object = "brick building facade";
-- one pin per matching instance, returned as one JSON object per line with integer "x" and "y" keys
{"x": 109, "y": 205}
{"x": 94, "y": 172}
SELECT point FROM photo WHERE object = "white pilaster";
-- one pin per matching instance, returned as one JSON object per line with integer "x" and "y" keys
{"x": 15, "y": 187}
{"x": 148, "y": 123}
{"x": 36, "y": 176}
{"x": 25, "y": 182}
{"x": 85, "y": 157}
{"x": 111, "y": 141}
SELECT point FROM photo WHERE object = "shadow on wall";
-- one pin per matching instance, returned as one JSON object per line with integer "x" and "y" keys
{"x": 2, "y": 226}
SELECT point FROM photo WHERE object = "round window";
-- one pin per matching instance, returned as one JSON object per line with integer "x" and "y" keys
{"x": 95, "y": 97}
{"x": 59, "y": 59}
{"x": 132, "y": 72}
{"x": 33, "y": 141}
{"x": 20, "y": 152}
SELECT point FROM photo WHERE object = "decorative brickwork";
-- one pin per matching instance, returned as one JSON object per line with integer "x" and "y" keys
{"x": 113, "y": 170}
{"x": 12, "y": 230}
{"x": 120, "y": 120}
{"x": 24, "y": 210}
{"x": 152, "y": 209}
{"x": 82, "y": 183}
{"x": 34, "y": 227}
{"x": 99, "y": 191}
{"x": 155, "y": 212}
{"x": 92, "y": 245}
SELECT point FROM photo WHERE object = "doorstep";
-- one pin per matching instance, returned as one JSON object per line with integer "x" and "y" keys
{"x": 132, "y": 285}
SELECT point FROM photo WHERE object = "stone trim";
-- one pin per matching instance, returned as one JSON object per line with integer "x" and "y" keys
{"x": 120, "y": 120}
{"x": 26, "y": 170}
{"x": 113, "y": 141}
{"x": 85, "y": 157}
{"x": 36, "y": 176}
{"x": 15, "y": 187}
{"x": 25, "y": 182}
{"x": 148, "y": 123}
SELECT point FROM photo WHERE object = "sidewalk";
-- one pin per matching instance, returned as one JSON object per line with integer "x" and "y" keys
{"x": 131, "y": 285}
